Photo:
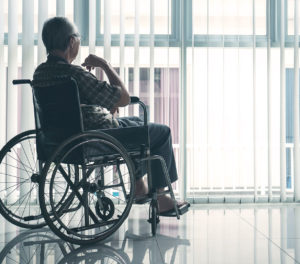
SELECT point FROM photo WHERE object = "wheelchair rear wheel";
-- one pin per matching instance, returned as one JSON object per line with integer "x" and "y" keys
{"x": 19, "y": 171}
{"x": 99, "y": 200}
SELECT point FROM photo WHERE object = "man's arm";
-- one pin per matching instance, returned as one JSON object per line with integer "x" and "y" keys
{"x": 93, "y": 61}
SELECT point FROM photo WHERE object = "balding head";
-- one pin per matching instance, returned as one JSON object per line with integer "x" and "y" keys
{"x": 57, "y": 32}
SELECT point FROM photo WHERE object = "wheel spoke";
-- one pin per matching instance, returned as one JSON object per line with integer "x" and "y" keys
{"x": 17, "y": 168}
{"x": 17, "y": 184}
{"x": 26, "y": 203}
{"x": 10, "y": 175}
{"x": 19, "y": 160}
{"x": 26, "y": 156}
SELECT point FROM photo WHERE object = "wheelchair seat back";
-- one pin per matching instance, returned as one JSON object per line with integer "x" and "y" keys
{"x": 57, "y": 114}
{"x": 58, "y": 117}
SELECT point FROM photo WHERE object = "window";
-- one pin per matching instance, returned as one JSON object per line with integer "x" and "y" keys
{"x": 202, "y": 67}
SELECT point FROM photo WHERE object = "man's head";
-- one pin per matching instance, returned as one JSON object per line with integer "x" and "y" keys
{"x": 60, "y": 35}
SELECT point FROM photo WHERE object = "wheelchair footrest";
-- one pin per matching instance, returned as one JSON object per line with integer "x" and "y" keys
{"x": 151, "y": 219}
{"x": 183, "y": 209}
{"x": 142, "y": 200}
{"x": 172, "y": 213}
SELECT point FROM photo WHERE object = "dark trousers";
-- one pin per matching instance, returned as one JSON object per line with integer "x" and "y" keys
{"x": 160, "y": 144}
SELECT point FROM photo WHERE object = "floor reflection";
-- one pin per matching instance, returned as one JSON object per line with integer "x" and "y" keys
{"x": 233, "y": 234}
{"x": 42, "y": 246}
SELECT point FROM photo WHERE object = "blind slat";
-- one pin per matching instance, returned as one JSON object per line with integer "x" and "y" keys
{"x": 254, "y": 104}
{"x": 107, "y": 29}
{"x": 2, "y": 91}
{"x": 42, "y": 16}
{"x": 92, "y": 26}
{"x": 296, "y": 106}
{"x": 208, "y": 181}
{"x": 27, "y": 116}
{"x": 60, "y": 7}
{"x": 136, "y": 81}
{"x": 123, "y": 111}
{"x": 152, "y": 26}
{"x": 12, "y": 92}
{"x": 269, "y": 99}
{"x": 183, "y": 115}
{"x": 2, "y": 78}
{"x": 282, "y": 108}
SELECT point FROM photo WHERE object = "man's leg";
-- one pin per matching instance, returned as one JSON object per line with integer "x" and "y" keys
{"x": 160, "y": 144}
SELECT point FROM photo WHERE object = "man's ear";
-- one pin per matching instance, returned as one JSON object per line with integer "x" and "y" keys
{"x": 72, "y": 42}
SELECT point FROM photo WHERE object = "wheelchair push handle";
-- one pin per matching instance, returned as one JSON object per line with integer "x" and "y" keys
{"x": 21, "y": 81}
{"x": 136, "y": 100}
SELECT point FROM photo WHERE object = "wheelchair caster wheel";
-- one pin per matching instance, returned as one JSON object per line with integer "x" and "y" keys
{"x": 108, "y": 209}
{"x": 153, "y": 217}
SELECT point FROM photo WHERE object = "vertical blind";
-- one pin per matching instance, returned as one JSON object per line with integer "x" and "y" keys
{"x": 220, "y": 73}
{"x": 237, "y": 60}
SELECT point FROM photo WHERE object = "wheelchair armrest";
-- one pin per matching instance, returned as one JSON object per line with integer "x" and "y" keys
{"x": 133, "y": 100}
{"x": 136, "y": 100}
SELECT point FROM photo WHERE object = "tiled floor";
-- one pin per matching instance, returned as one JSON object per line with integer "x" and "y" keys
{"x": 206, "y": 234}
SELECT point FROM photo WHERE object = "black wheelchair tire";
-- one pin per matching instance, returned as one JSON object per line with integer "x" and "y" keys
{"x": 5, "y": 212}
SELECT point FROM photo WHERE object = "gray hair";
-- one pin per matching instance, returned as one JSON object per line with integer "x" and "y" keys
{"x": 57, "y": 32}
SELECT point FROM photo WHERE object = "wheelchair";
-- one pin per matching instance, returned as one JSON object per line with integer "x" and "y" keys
{"x": 79, "y": 183}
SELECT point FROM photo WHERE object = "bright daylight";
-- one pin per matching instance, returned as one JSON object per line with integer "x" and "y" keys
{"x": 149, "y": 131}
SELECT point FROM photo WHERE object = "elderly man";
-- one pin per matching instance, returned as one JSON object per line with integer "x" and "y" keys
{"x": 62, "y": 42}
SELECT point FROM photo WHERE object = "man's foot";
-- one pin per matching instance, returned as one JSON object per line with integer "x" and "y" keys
{"x": 141, "y": 188}
{"x": 165, "y": 203}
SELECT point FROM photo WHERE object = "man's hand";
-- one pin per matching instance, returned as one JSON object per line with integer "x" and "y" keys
{"x": 114, "y": 110}
{"x": 93, "y": 61}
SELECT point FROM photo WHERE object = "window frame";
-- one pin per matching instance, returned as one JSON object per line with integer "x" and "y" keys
{"x": 160, "y": 40}
{"x": 81, "y": 13}
{"x": 204, "y": 40}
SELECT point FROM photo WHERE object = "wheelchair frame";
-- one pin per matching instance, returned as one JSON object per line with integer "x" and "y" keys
{"x": 53, "y": 216}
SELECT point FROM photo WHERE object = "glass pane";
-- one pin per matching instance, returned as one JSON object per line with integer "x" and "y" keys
{"x": 199, "y": 10}
{"x": 69, "y": 4}
{"x": 162, "y": 11}
{"x": 162, "y": 16}
{"x": 20, "y": 5}
{"x": 144, "y": 18}
{"x": 260, "y": 17}
{"x": 5, "y": 9}
{"x": 115, "y": 16}
{"x": 291, "y": 15}
{"x": 129, "y": 14}
{"x": 145, "y": 88}
{"x": 215, "y": 13}
{"x": 36, "y": 10}
{"x": 245, "y": 17}
{"x": 51, "y": 8}
{"x": 231, "y": 17}
{"x": 19, "y": 15}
